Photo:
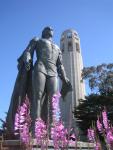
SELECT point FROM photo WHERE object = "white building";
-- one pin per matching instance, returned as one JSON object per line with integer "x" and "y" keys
{"x": 72, "y": 61}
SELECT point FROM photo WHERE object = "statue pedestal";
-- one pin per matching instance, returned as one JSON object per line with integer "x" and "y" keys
{"x": 17, "y": 145}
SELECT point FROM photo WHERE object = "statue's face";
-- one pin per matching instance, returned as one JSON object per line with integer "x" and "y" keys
{"x": 49, "y": 32}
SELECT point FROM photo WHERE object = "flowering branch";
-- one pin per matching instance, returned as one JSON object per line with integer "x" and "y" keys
{"x": 23, "y": 122}
{"x": 41, "y": 132}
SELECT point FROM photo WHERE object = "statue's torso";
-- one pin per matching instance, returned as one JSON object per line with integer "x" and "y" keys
{"x": 47, "y": 54}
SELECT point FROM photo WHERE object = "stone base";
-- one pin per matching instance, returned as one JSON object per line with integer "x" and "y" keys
{"x": 17, "y": 145}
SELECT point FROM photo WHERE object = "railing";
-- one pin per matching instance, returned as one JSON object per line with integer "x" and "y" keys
{"x": 17, "y": 145}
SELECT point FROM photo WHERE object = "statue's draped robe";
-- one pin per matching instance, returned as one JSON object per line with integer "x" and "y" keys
{"x": 23, "y": 87}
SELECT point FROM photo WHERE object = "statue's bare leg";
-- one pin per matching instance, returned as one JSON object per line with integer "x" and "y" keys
{"x": 52, "y": 88}
{"x": 39, "y": 86}
{"x": 39, "y": 80}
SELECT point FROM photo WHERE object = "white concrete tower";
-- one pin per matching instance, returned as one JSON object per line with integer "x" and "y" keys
{"x": 72, "y": 61}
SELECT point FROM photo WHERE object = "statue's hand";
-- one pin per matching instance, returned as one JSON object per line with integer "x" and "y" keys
{"x": 66, "y": 87}
{"x": 27, "y": 60}
{"x": 67, "y": 80}
{"x": 68, "y": 83}
{"x": 27, "y": 65}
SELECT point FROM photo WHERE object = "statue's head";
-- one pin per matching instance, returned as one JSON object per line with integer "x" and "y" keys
{"x": 47, "y": 32}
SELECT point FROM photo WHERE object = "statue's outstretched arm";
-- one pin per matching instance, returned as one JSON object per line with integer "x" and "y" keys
{"x": 60, "y": 68}
{"x": 66, "y": 86}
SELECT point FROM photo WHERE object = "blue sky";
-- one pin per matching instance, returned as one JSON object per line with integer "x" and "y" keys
{"x": 21, "y": 20}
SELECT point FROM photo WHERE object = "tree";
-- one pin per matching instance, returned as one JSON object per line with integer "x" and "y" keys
{"x": 100, "y": 79}
{"x": 90, "y": 108}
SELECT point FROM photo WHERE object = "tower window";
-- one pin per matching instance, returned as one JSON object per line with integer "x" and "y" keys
{"x": 69, "y": 35}
{"x": 62, "y": 48}
{"x": 70, "y": 47}
{"x": 77, "y": 47}
{"x": 62, "y": 38}
{"x": 75, "y": 34}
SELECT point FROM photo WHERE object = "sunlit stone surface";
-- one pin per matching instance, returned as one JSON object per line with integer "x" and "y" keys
{"x": 72, "y": 61}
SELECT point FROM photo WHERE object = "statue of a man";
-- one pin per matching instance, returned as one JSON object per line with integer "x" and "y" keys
{"x": 42, "y": 77}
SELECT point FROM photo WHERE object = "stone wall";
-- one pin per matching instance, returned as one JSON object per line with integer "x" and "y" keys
{"x": 17, "y": 145}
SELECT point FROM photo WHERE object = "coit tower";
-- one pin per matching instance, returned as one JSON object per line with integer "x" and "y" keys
{"x": 72, "y": 61}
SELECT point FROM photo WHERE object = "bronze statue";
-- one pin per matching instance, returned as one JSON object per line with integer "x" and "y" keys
{"x": 38, "y": 81}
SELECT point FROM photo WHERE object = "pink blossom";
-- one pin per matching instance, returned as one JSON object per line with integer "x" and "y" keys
{"x": 25, "y": 136}
{"x": 58, "y": 134}
{"x": 23, "y": 121}
{"x": 109, "y": 136}
{"x": 91, "y": 135}
{"x": 40, "y": 131}
{"x": 105, "y": 119}
{"x": 97, "y": 147}
{"x": 55, "y": 107}
{"x": 99, "y": 125}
